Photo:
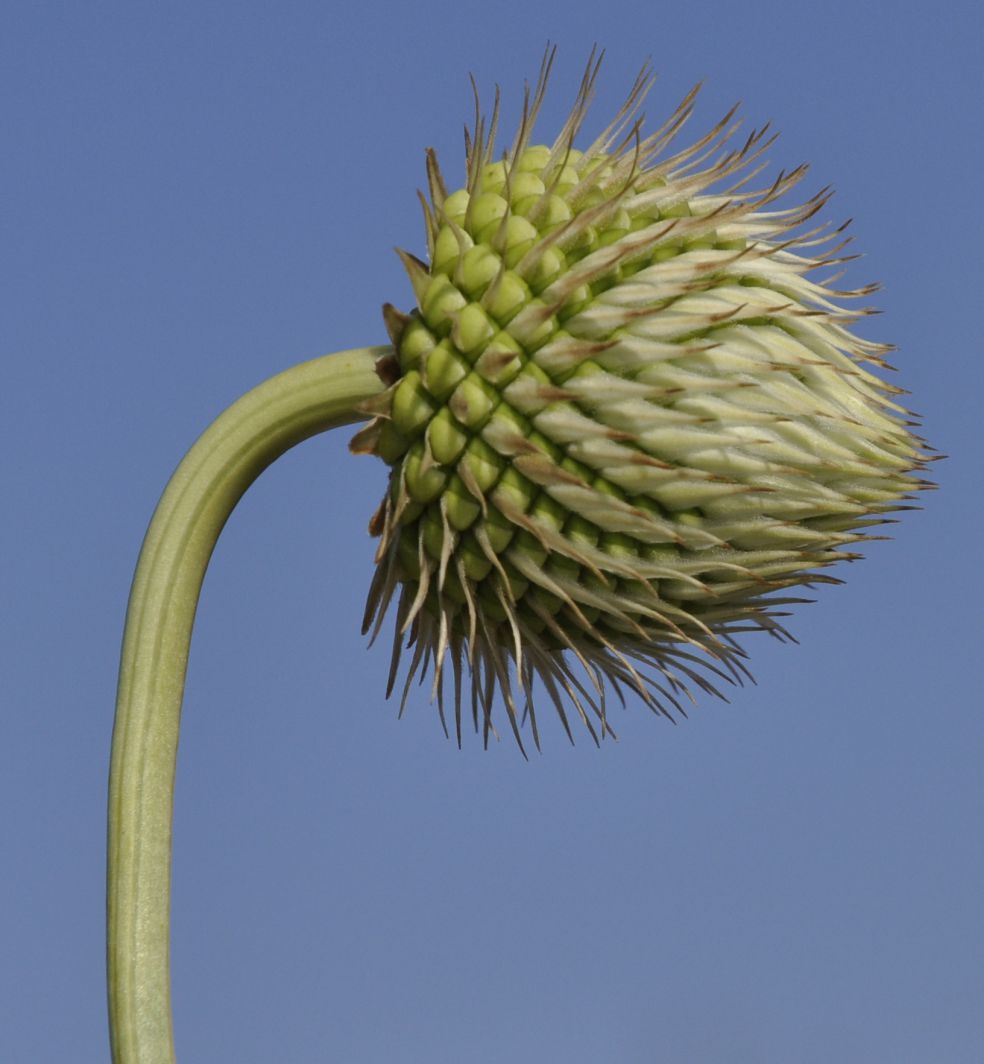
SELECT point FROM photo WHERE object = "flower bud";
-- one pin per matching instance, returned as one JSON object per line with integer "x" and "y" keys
{"x": 625, "y": 418}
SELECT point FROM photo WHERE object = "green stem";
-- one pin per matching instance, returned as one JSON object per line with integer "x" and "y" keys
{"x": 227, "y": 458}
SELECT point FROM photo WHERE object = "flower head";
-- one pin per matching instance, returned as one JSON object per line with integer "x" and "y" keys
{"x": 625, "y": 418}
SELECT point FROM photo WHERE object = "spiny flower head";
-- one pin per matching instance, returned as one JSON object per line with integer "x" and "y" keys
{"x": 623, "y": 418}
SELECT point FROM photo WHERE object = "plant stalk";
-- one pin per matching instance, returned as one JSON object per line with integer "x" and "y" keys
{"x": 252, "y": 433}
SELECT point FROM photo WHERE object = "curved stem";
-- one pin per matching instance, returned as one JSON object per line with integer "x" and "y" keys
{"x": 227, "y": 458}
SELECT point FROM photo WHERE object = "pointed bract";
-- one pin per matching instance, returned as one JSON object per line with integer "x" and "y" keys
{"x": 626, "y": 417}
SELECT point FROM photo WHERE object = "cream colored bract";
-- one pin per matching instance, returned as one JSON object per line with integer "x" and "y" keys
{"x": 627, "y": 413}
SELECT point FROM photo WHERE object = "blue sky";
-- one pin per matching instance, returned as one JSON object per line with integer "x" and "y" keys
{"x": 196, "y": 196}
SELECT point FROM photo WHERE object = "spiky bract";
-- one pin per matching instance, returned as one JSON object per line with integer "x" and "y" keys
{"x": 622, "y": 418}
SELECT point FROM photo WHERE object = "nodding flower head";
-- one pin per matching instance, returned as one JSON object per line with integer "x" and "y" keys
{"x": 625, "y": 418}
